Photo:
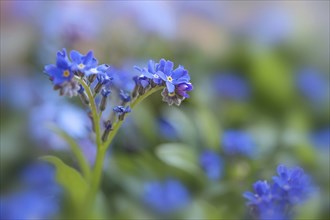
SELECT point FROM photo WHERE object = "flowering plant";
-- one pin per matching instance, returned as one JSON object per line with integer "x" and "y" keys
{"x": 81, "y": 75}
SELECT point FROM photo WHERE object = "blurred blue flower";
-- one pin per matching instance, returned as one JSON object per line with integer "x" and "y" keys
{"x": 276, "y": 201}
{"x": 312, "y": 85}
{"x": 321, "y": 138}
{"x": 166, "y": 129}
{"x": 231, "y": 86}
{"x": 166, "y": 197}
{"x": 211, "y": 163}
{"x": 40, "y": 177}
{"x": 237, "y": 142}
{"x": 28, "y": 205}
{"x": 294, "y": 185}
{"x": 270, "y": 25}
{"x": 121, "y": 79}
{"x": 69, "y": 118}
{"x": 39, "y": 199}
{"x": 61, "y": 72}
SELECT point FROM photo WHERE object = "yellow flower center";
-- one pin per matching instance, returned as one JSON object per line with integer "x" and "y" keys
{"x": 66, "y": 73}
{"x": 81, "y": 66}
{"x": 170, "y": 79}
{"x": 171, "y": 94}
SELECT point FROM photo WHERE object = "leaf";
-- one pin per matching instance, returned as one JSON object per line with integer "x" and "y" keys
{"x": 70, "y": 179}
{"x": 180, "y": 156}
{"x": 208, "y": 128}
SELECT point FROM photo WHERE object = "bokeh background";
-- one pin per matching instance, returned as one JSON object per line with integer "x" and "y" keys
{"x": 260, "y": 72}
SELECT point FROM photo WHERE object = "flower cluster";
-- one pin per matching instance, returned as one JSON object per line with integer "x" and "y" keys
{"x": 177, "y": 81}
{"x": 80, "y": 75}
{"x": 275, "y": 201}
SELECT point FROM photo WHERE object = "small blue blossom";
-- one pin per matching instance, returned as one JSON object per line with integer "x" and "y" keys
{"x": 166, "y": 197}
{"x": 121, "y": 109}
{"x": 150, "y": 72}
{"x": 82, "y": 63}
{"x": 105, "y": 92}
{"x": 101, "y": 69}
{"x": 211, "y": 163}
{"x": 172, "y": 77}
{"x": 183, "y": 88}
{"x": 237, "y": 142}
{"x": 276, "y": 201}
{"x": 61, "y": 72}
{"x": 141, "y": 81}
{"x": 124, "y": 96}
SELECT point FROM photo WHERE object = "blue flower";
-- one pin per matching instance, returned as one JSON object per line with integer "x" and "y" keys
{"x": 61, "y": 72}
{"x": 293, "y": 183}
{"x": 321, "y": 138}
{"x": 124, "y": 96}
{"x": 150, "y": 72}
{"x": 101, "y": 69}
{"x": 231, "y": 86}
{"x": 166, "y": 197}
{"x": 28, "y": 205}
{"x": 167, "y": 129}
{"x": 121, "y": 109}
{"x": 237, "y": 142}
{"x": 312, "y": 85}
{"x": 38, "y": 200}
{"x": 183, "y": 88}
{"x": 172, "y": 77}
{"x": 141, "y": 81}
{"x": 82, "y": 63}
{"x": 277, "y": 200}
{"x": 211, "y": 163}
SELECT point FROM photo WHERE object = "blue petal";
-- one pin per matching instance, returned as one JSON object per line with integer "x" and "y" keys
{"x": 151, "y": 66}
{"x": 179, "y": 72}
{"x": 146, "y": 73}
{"x": 162, "y": 75}
{"x": 88, "y": 58}
{"x": 49, "y": 69}
{"x": 168, "y": 68}
{"x": 170, "y": 87}
{"x": 76, "y": 56}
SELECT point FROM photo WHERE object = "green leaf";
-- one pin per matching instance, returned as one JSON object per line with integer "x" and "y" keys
{"x": 180, "y": 156}
{"x": 74, "y": 148}
{"x": 208, "y": 128}
{"x": 70, "y": 179}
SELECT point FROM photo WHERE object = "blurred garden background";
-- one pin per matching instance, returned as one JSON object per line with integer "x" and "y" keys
{"x": 260, "y": 72}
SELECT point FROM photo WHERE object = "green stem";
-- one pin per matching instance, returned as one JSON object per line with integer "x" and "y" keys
{"x": 96, "y": 119}
{"x": 102, "y": 147}
{"x": 83, "y": 164}
{"x": 118, "y": 124}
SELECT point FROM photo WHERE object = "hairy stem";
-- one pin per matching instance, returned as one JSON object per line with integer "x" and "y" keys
{"x": 93, "y": 108}
{"x": 118, "y": 124}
